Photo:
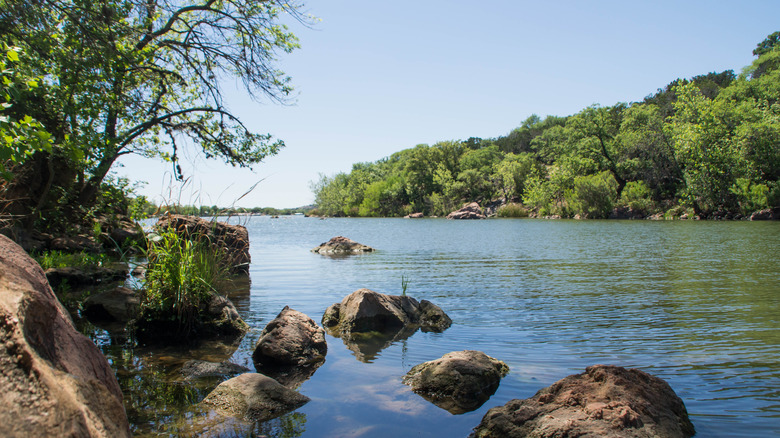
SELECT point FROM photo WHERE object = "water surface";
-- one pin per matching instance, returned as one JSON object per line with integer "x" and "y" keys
{"x": 695, "y": 303}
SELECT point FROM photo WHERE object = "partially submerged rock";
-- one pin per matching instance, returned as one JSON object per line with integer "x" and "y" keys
{"x": 54, "y": 381}
{"x": 604, "y": 401}
{"x": 198, "y": 369}
{"x": 232, "y": 239}
{"x": 290, "y": 348}
{"x": 468, "y": 211}
{"x": 458, "y": 382}
{"x": 118, "y": 304}
{"x": 253, "y": 397}
{"x": 417, "y": 215}
{"x": 767, "y": 214}
{"x": 369, "y": 321}
{"x": 341, "y": 245}
{"x": 365, "y": 310}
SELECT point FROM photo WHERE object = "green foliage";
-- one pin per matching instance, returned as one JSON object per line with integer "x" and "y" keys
{"x": 512, "y": 210}
{"x": 594, "y": 195}
{"x": 751, "y": 197}
{"x": 404, "y": 285}
{"x": 181, "y": 276}
{"x": 637, "y": 196}
{"x": 60, "y": 259}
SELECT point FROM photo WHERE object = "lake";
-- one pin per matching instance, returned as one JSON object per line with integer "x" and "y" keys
{"x": 695, "y": 303}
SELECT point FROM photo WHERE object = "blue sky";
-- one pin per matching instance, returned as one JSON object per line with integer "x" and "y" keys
{"x": 373, "y": 78}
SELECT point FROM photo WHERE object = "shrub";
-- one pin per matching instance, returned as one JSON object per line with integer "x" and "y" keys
{"x": 750, "y": 197}
{"x": 60, "y": 259}
{"x": 637, "y": 196}
{"x": 594, "y": 195}
{"x": 512, "y": 210}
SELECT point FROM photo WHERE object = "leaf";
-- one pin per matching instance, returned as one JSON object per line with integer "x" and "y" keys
{"x": 12, "y": 55}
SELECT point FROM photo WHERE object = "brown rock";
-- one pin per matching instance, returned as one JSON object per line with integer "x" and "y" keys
{"x": 417, "y": 215}
{"x": 604, "y": 401}
{"x": 253, "y": 397}
{"x": 74, "y": 244}
{"x": 468, "y": 211}
{"x": 458, "y": 382}
{"x": 54, "y": 381}
{"x": 766, "y": 214}
{"x": 78, "y": 277}
{"x": 341, "y": 245}
{"x": 233, "y": 239}
{"x": 197, "y": 369}
{"x": 292, "y": 338}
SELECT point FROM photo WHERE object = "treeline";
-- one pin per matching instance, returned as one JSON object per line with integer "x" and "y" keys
{"x": 140, "y": 208}
{"x": 709, "y": 146}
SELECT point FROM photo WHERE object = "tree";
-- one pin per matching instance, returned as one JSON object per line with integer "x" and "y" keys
{"x": 145, "y": 76}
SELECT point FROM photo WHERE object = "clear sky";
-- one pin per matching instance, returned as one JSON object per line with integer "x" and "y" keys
{"x": 375, "y": 77}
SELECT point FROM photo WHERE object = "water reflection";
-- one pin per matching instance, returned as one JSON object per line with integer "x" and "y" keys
{"x": 366, "y": 346}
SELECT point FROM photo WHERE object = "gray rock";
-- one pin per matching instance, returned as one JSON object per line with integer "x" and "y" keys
{"x": 54, "y": 381}
{"x": 341, "y": 245}
{"x": 458, "y": 382}
{"x": 604, "y": 401}
{"x": 253, "y": 397}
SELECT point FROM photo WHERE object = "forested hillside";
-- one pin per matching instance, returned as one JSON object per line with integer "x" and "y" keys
{"x": 709, "y": 145}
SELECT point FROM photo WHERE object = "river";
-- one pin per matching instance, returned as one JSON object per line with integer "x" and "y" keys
{"x": 695, "y": 303}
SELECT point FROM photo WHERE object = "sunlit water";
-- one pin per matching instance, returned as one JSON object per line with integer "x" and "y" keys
{"x": 695, "y": 303}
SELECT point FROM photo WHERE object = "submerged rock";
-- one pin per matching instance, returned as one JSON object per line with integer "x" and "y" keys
{"x": 341, "y": 245}
{"x": 468, "y": 211}
{"x": 291, "y": 347}
{"x": 54, "y": 381}
{"x": 604, "y": 401}
{"x": 253, "y": 397}
{"x": 458, "y": 382}
{"x": 232, "y": 239}
{"x": 198, "y": 369}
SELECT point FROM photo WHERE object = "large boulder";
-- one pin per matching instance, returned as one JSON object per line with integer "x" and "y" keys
{"x": 458, "y": 382}
{"x": 341, "y": 245}
{"x": 767, "y": 214}
{"x": 291, "y": 347}
{"x": 253, "y": 397}
{"x": 365, "y": 311}
{"x": 54, "y": 380}
{"x": 604, "y": 401}
{"x": 468, "y": 211}
{"x": 232, "y": 239}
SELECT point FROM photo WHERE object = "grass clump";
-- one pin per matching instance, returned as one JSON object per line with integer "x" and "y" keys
{"x": 512, "y": 210}
{"x": 182, "y": 277}
{"x": 61, "y": 259}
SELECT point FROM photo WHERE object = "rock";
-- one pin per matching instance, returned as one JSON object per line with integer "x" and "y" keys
{"x": 766, "y": 214}
{"x": 291, "y": 338}
{"x": 119, "y": 304}
{"x": 291, "y": 347}
{"x": 126, "y": 231}
{"x": 458, "y": 382}
{"x": 626, "y": 213}
{"x": 414, "y": 216}
{"x": 54, "y": 380}
{"x": 139, "y": 271}
{"x": 232, "y": 239}
{"x": 468, "y": 211}
{"x": 198, "y": 369}
{"x": 365, "y": 310}
{"x": 341, "y": 245}
{"x": 604, "y": 401}
{"x": 74, "y": 244}
{"x": 253, "y": 397}
{"x": 218, "y": 318}
{"x": 80, "y": 277}
{"x": 367, "y": 321}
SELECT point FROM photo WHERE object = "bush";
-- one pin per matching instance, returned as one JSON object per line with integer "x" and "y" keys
{"x": 750, "y": 197}
{"x": 512, "y": 210}
{"x": 60, "y": 259}
{"x": 182, "y": 276}
{"x": 594, "y": 195}
{"x": 637, "y": 196}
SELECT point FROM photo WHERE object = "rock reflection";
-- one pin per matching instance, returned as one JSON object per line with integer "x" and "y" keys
{"x": 366, "y": 346}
